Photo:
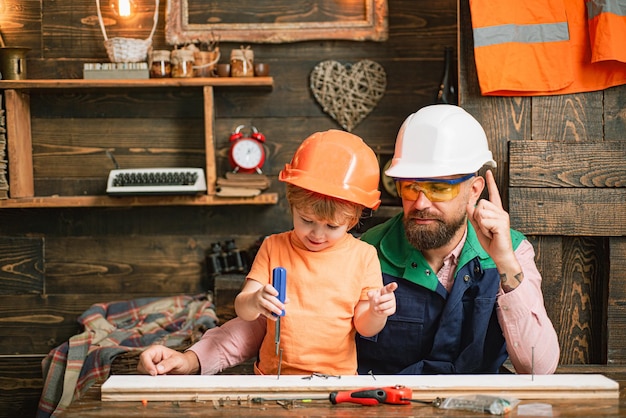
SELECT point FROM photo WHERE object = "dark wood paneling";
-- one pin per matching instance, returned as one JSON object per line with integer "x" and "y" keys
{"x": 616, "y": 323}
{"x": 567, "y": 164}
{"x": 37, "y": 324}
{"x": 21, "y": 265}
{"x": 584, "y": 300}
{"x": 574, "y": 286}
{"x": 575, "y": 212}
{"x": 614, "y": 114}
{"x": 21, "y": 25}
{"x": 20, "y": 385}
{"x": 70, "y": 28}
{"x": 557, "y": 187}
{"x": 161, "y": 265}
{"x": 569, "y": 117}
{"x": 173, "y": 103}
{"x": 549, "y": 256}
{"x": 77, "y": 147}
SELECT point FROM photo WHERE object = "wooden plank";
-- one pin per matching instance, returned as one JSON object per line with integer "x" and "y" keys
{"x": 568, "y": 117}
{"x": 19, "y": 144}
{"x": 575, "y": 272}
{"x": 614, "y": 115}
{"x": 77, "y": 148}
{"x": 583, "y": 278}
{"x": 573, "y": 212}
{"x": 32, "y": 324}
{"x": 168, "y": 264}
{"x": 209, "y": 142}
{"x": 616, "y": 323}
{"x": 22, "y": 25}
{"x": 21, "y": 265}
{"x": 135, "y": 201}
{"x": 70, "y": 28}
{"x": 567, "y": 164}
{"x": 151, "y": 82}
{"x": 200, "y": 388}
{"x": 20, "y": 385}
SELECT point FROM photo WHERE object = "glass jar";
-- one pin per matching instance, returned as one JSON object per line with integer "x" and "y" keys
{"x": 160, "y": 65}
{"x": 182, "y": 63}
{"x": 242, "y": 63}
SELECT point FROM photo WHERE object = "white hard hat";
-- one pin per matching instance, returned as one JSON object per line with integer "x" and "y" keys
{"x": 439, "y": 140}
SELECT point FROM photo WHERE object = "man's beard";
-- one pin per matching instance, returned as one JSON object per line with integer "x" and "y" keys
{"x": 428, "y": 237}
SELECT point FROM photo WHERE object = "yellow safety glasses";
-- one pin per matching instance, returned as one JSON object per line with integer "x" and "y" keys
{"x": 435, "y": 190}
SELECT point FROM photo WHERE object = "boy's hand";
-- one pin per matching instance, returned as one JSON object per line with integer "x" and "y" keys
{"x": 268, "y": 303}
{"x": 256, "y": 300}
{"x": 383, "y": 300}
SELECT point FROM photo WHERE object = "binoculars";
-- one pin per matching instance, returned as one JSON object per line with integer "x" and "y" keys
{"x": 226, "y": 258}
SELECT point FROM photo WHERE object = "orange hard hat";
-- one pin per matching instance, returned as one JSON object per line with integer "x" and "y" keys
{"x": 337, "y": 164}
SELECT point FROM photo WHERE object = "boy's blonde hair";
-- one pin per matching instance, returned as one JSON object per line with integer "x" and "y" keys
{"x": 327, "y": 208}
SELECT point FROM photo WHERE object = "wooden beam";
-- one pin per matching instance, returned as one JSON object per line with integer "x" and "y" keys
{"x": 572, "y": 211}
{"x": 198, "y": 388}
{"x": 19, "y": 144}
{"x": 567, "y": 164}
{"x": 209, "y": 140}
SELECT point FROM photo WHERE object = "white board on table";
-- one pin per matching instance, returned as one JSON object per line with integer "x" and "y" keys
{"x": 194, "y": 388}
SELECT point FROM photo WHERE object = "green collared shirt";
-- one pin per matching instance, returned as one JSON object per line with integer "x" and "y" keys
{"x": 399, "y": 258}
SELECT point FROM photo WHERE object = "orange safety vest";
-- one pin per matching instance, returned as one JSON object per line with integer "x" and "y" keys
{"x": 607, "y": 29}
{"x": 541, "y": 47}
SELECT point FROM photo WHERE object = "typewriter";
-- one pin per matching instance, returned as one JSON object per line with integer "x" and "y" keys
{"x": 156, "y": 181}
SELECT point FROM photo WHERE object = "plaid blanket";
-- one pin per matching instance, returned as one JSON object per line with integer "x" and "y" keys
{"x": 115, "y": 328}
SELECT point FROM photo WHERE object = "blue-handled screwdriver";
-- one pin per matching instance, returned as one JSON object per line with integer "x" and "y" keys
{"x": 279, "y": 281}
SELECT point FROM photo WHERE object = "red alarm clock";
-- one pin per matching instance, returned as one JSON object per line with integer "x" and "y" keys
{"x": 247, "y": 153}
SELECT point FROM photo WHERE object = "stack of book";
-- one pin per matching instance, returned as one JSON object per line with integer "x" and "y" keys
{"x": 4, "y": 185}
{"x": 242, "y": 184}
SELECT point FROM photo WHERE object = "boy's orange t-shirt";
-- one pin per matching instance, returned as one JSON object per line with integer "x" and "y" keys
{"x": 323, "y": 288}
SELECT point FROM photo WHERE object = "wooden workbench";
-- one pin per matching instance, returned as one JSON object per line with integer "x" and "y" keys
{"x": 91, "y": 405}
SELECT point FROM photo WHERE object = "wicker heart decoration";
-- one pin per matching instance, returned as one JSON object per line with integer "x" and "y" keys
{"x": 348, "y": 93}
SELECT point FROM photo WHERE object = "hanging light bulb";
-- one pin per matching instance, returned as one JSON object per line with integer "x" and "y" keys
{"x": 123, "y": 8}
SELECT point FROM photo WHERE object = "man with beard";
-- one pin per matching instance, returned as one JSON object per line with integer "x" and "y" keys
{"x": 469, "y": 292}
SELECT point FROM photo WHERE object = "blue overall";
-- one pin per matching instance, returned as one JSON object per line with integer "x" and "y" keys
{"x": 433, "y": 331}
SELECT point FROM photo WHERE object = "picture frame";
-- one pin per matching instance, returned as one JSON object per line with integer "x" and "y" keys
{"x": 278, "y": 21}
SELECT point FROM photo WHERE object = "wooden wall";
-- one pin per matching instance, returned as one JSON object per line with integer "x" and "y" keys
{"x": 55, "y": 263}
{"x": 561, "y": 172}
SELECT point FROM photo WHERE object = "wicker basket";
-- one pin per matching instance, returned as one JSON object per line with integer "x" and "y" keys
{"x": 128, "y": 49}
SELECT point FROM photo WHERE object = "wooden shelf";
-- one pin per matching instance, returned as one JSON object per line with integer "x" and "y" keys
{"x": 136, "y": 201}
{"x": 141, "y": 83}
{"x": 19, "y": 143}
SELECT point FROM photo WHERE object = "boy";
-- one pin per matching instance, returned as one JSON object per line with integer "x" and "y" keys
{"x": 334, "y": 285}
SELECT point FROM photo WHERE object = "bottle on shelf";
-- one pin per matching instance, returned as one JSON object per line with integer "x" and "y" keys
{"x": 447, "y": 88}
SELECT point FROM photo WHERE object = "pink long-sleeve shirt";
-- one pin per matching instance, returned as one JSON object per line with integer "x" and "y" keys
{"x": 532, "y": 342}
